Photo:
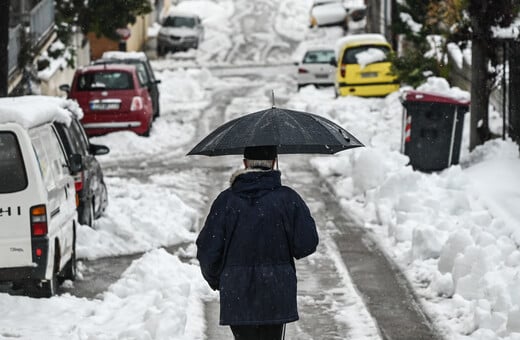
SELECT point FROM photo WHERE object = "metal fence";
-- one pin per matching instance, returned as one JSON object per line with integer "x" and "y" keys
{"x": 15, "y": 45}
{"x": 42, "y": 20}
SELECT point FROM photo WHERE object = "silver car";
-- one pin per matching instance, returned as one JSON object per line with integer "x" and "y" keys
{"x": 316, "y": 67}
{"x": 179, "y": 32}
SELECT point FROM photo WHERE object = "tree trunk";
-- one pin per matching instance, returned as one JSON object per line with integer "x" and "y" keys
{"x": 514, "y": 88}
{"x": 479, "y": 124}
{"x": 4, "y": 43}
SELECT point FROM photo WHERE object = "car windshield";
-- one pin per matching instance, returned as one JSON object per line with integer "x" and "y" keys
{"x": 368, "y": 54}
{"x": 106, "y": 80}
{"x": 318, "y": 57}
{"x": 179, "y": 22}
{"x": 12, "y": 170}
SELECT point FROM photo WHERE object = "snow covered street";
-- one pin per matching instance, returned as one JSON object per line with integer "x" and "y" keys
{"x": 453, "y": 235}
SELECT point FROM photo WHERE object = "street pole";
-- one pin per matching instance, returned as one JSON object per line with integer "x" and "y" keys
{"x": 4, "y": 43}
{"x": 514, "y": 86}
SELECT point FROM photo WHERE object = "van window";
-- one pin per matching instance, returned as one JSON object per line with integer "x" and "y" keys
{"x": 105, "y": 80}
{"x": 13, "y": 177}
{"x": 349, "y": 57}
{"x": 50, "y": 156}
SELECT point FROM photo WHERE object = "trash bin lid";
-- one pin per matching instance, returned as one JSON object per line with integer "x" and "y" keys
{"x": 421, "y": 96}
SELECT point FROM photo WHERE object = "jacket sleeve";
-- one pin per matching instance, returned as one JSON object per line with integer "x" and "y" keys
{"x": 211, "y": 242}
{"x": 305, "y": 237}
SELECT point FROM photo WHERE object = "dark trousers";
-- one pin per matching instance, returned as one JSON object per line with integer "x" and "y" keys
{"x": 259, "y": 332}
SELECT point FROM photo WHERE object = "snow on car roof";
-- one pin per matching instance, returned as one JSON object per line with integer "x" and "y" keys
{"x": 124, "y": 55}
{"x": 359, "y": 38}
{"x": 31, "y": 111}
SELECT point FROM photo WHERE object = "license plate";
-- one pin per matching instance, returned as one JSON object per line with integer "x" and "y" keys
{"x": 368, "y": 74}
{"x": 104, "y": 106}
{"x": 322, "y": 76}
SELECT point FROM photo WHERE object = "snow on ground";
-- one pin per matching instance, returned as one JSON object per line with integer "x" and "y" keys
{"x": 140, "y": 217}
{"x": 146, "y": 303}
{"x": 455, "y": 233}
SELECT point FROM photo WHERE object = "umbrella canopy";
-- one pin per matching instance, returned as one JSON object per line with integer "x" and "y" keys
{"x": 293, "y": 132}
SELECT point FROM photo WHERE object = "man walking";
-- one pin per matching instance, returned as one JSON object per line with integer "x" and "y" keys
{"x": 246, "y": 249}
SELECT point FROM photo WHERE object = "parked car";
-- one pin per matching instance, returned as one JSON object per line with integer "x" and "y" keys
{"x": 113, "y": 98}
{"x": 315, "y": 67}
{"x": 140, "y": 60}
{"x": 180, "y": 31}
{"x": 38, "y": 217}
{"x": 91, "y": 191}
{"x": 363, "y": 67}
{"x": 326, "y": 13}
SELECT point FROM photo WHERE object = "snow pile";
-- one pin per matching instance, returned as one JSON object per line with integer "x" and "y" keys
{"x": 370, "y": 56}
{"x": 143, "y": 304}
{"x": 441, "y": 86}
{"x": 291, "y": 20}
{"x": 455, "y": 233}
{"x": 139, "y": 217}
{"x": 30, "y": 111}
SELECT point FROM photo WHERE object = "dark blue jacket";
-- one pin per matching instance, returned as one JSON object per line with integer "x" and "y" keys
{"x": 247, "y": 247}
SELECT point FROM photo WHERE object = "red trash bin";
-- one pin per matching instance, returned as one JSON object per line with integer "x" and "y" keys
{"x": 432, "y": 129}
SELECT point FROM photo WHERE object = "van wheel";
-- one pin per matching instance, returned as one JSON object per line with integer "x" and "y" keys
{"x": 69, "y": 272}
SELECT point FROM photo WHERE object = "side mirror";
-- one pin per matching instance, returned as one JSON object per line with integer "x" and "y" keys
{"x": 157, "y": 81}
{"x": 65, "y": 88}
{"x": 75, "y": 163}
{"x": 333, "y": 62}
{"x": 296, "y": 63}
{"x": 98, "y": 150}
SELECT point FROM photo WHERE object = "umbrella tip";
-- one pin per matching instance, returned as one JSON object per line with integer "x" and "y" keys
{"x": 272, "y": 97}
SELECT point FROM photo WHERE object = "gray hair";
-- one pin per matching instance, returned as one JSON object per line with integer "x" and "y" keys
{"x": 259, "y": 163}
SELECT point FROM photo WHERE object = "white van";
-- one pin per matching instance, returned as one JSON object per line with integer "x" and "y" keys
{"x": 38, "y": 217}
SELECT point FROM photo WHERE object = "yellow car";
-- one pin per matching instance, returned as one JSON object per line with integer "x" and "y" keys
{"x": 363, "y": 68}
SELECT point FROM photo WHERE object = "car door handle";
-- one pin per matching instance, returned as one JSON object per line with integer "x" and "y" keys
{"x": 55, "y": 212}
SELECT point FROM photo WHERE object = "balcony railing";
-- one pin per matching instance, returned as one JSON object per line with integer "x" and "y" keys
{"x": 42, "y": 20}
{"x": 15, "y": 41}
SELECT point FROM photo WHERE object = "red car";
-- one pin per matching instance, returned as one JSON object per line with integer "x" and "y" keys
{"x": 113, "y": 98}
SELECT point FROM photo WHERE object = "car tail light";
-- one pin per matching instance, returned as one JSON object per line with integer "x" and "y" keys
{"x": 137, "y": 104}
{"x": 343, "y": 70}
{"x": 302, "y": 70}
{"x": 78, "y": 181}
{"x": 39, "y": 220}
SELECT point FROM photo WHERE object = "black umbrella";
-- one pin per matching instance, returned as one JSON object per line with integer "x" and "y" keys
{"x": 293, "y": 132}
